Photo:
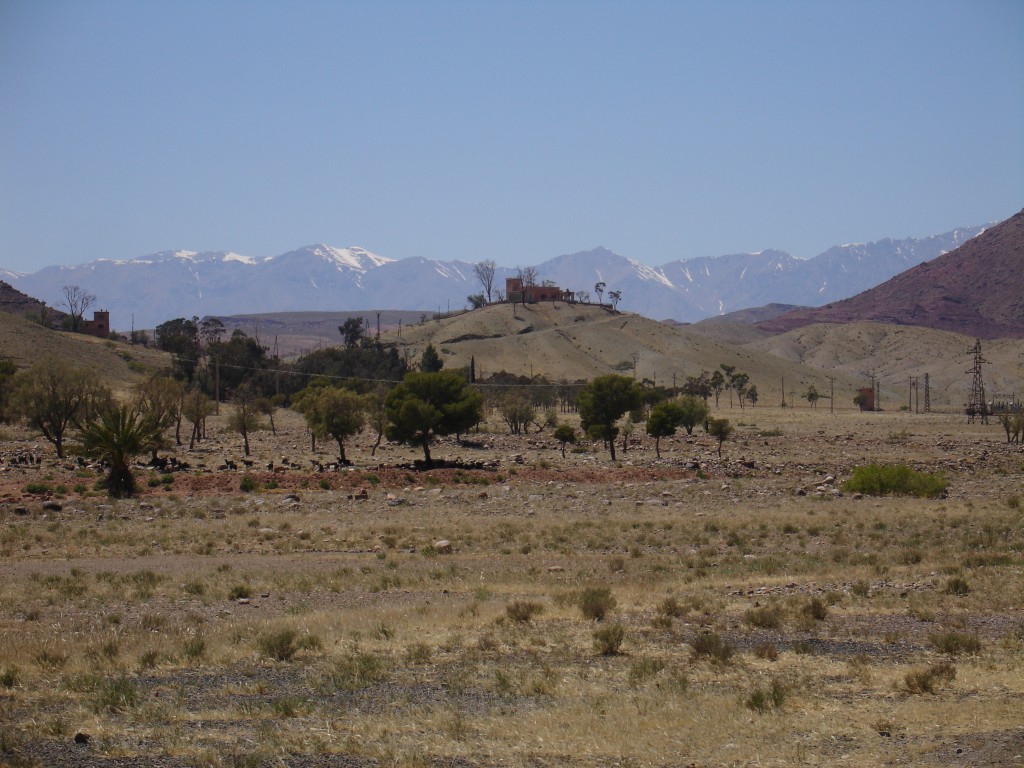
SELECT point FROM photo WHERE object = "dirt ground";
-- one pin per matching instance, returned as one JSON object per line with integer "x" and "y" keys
{"x": 379, "y": 615}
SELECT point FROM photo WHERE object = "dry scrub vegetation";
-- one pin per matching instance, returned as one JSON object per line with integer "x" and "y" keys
{"x": 682, "y": 611}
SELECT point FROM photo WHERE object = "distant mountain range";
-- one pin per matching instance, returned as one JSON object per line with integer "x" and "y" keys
{"x": 151, "y": 289}
{"x": 976, "y": 289}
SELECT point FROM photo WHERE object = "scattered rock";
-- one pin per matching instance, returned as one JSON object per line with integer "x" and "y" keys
{"x": 443, "y": 547}
{"x": 82, "y": 738}
{"x": 52, "y": 506}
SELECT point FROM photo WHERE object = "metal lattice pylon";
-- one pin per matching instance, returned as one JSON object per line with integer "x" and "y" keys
{"x": 977, "y": 408}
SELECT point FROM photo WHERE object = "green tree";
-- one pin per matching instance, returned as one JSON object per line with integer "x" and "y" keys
{"x": 717, "y": 384}
{"x": 54, "y": 397}
{"x": 246, "y": 417}
{"x": 720, "y": 429}
{"x": 602, "y": 402}
{"x": 517, "y": 411}
{"x": 565, "y": 433}
{"x": 333, "y": 412}
{"x": 692, "y": 411}
{"x": 812, "y": 396}
{"x": 180, "y": 337}
{"x": 431, "y": 361}
{"x": 476, "y": 300}
{"x": 196, "y": 406}
{"x": 115, "y": 435}
{"x": 427, "y": 405}
{"x": 352, "y": 331}
{"x": 663, "y": 420}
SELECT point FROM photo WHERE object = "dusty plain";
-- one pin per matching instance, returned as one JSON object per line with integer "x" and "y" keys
{"x": 754, "y": 613}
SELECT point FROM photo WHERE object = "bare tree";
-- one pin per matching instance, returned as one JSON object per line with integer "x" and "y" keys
{"x": 484, "y": 272}
{"x": 528, "y": 275}
{"x": 77, "y": 300}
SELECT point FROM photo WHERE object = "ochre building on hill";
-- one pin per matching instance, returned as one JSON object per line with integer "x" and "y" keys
{"x": 517, "y": 293}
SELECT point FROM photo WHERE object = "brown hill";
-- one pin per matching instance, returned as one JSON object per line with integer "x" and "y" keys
{"x": 119, "y": 364}
{"x": 17, "y": 303}
{"x": 976, "y": 289}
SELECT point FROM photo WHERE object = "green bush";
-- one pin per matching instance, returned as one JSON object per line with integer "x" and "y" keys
{"x": 248, "y": 484}
{"x": 958, "y": 586}
{"x": 895, "y": 480}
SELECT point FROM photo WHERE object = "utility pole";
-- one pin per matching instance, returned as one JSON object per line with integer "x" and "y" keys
{"x": 783, "y": 391}
{"x": 216, "y": 384}
{"x": 831, "y": 394}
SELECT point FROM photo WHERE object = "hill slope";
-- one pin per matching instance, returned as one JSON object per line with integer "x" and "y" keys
{"x": 119, "y": 364}
{"x": 976, "y": 289}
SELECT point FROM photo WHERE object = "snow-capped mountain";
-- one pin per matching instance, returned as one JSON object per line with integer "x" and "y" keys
{"x": 161, "y": 286}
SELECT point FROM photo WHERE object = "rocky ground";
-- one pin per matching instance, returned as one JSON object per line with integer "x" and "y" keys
{"x": 366, "y": 616}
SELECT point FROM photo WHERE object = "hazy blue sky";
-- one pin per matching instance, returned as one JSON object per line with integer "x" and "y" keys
{"x": 515, "y": 131}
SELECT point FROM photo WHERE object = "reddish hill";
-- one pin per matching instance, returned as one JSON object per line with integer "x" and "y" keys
{"x": 976, "y": 289}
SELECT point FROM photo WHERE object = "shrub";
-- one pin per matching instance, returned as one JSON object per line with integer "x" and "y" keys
{"x": 281, "y": 645}
{"x": 642, "y": 670}
{"x": 958, "y": 586}
{"x": 816, "y": 609}
{"x": 766, "y": 651}
{"x": 116, "y": 694}
{"x": 764, "y": 617}
{"x": 712, "y": 646}
{"x": 764, "y": 699}
{"x": 248, "y": 484}
{"x": 240, "y": 592}
{"x": 596, "y": 602}
{"x": 608, "y": 640}
{"x": 523, "y": 611}
{"x": 37, "y": 488}
{"x": 354, "y": 672}
{"x": 895, "y": 480}
{"x": 955, "y": 643}
{"x": 9, "y": 676}
{"x": 194, "y": 648}
{"x": 926, "y": 680}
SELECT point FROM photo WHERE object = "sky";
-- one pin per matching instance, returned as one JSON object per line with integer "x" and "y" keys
{"x": 512, "y": 131}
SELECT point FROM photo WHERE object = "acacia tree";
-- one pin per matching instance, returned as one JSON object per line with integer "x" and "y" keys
{"x": 720, "y": 429}
{"x": 427, "y": 405}
{"x": 599, "y": 287}
{"x": 565, "y": 433}
{"x": 53, "y": 397}
{"x": 692, "y": 411}
{"x": 77, "y": 300}
{"x": 484, "y": 272}
{"x": 614, "y": 297}
{"x": 603, "y": 401}
{"x": 663, "y": 420}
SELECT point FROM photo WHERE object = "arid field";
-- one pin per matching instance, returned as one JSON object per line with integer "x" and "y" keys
{"x": 682, "y": 611}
